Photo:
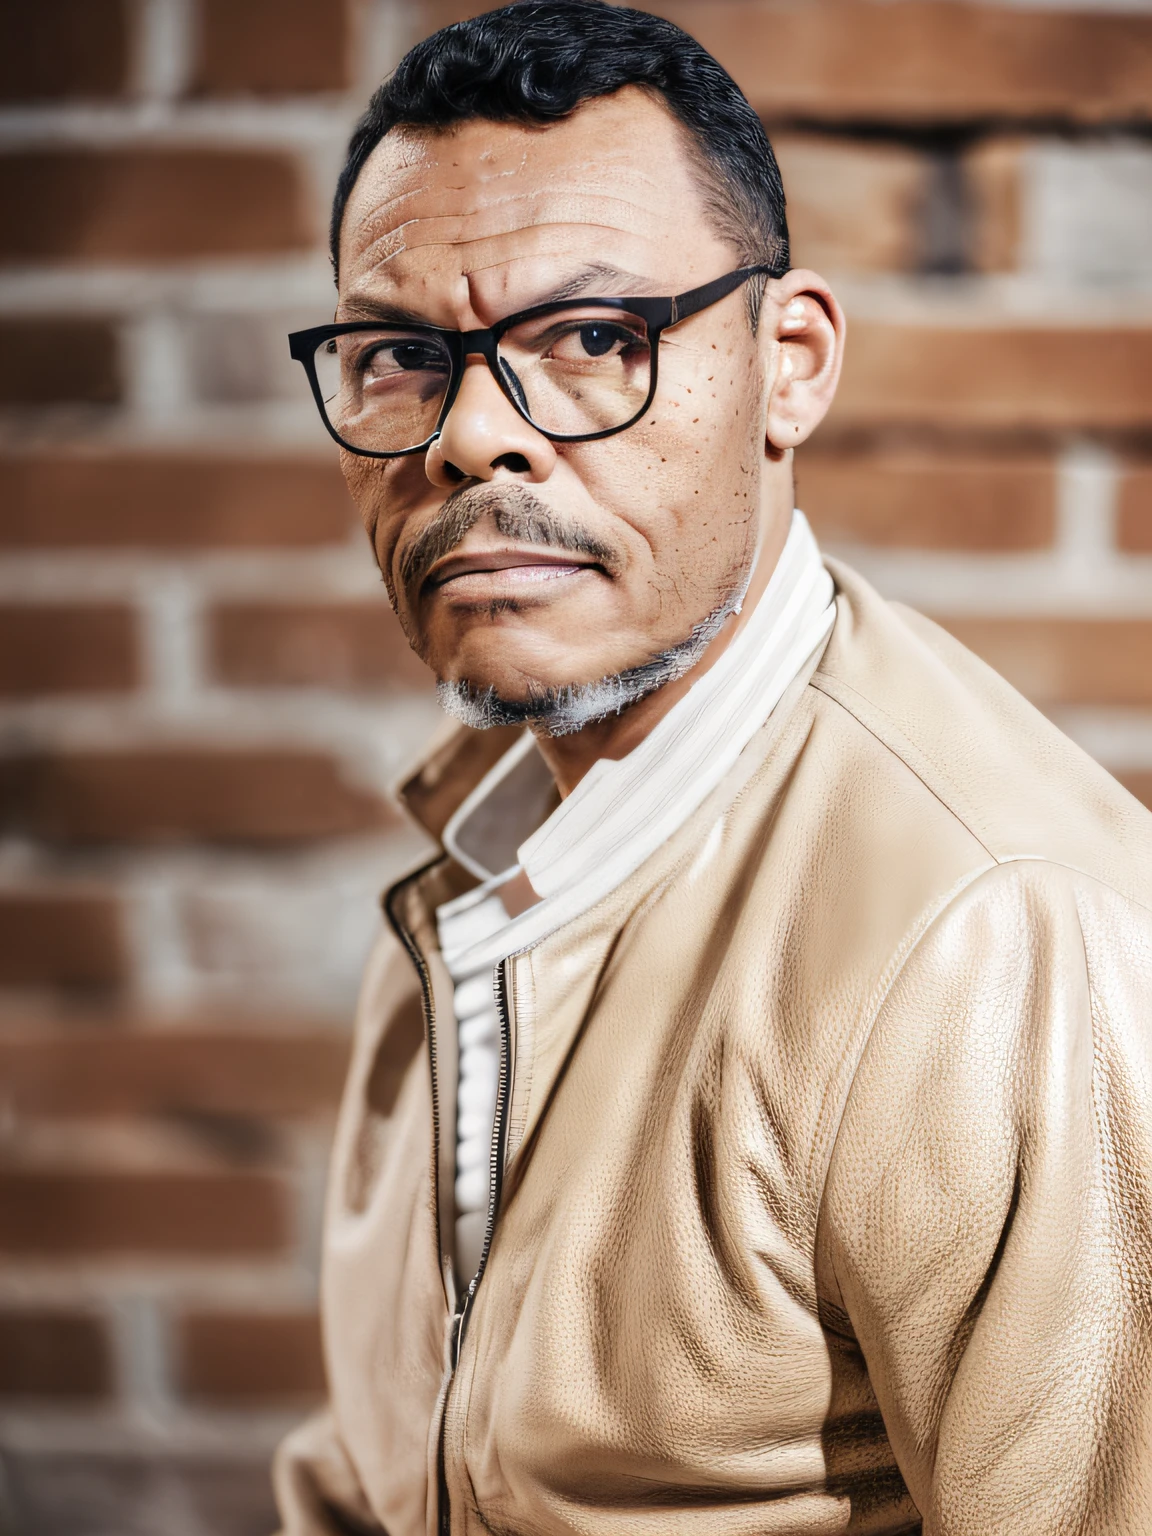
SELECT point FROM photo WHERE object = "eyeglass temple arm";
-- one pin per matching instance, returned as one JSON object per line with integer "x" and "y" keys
{"x": 685, "y": 304}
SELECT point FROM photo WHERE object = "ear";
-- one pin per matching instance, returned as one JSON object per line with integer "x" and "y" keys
{"x": 803, "y": 327}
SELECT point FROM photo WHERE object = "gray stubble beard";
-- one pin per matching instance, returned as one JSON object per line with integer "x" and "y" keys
{"x": 564, "y": 709}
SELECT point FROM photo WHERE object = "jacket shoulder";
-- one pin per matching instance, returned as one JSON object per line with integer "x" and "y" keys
{"x": 988, "y": 1199}
{"x": 1021, "y": 788}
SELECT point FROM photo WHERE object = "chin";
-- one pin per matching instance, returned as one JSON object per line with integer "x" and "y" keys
{"x": 520, "y": 672}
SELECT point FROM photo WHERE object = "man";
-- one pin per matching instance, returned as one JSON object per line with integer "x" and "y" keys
{"x": 748, "y": 1126}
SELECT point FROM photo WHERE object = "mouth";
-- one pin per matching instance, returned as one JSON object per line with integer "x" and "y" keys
{"x": 483, "y": 575}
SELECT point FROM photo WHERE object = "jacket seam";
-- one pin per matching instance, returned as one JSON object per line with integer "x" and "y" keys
{"x": 1080, "y": 874}
{"x": 822, "y": 686}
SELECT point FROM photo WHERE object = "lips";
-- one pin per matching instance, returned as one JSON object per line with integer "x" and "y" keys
{"x": 481, "y": 570}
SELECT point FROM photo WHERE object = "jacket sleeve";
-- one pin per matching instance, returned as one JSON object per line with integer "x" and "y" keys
{"x": 317, "y": 1491}
{"x": 987, "y": 1222}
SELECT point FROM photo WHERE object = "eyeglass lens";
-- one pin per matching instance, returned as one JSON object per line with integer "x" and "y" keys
{"x": 572, "y": 373}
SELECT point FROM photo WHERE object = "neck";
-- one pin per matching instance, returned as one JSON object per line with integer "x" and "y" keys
{"x": 570, "y": 757}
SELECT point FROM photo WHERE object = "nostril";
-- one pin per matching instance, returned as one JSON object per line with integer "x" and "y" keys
{"x": 452, "y": 473}
{"x": 516, "y": 462}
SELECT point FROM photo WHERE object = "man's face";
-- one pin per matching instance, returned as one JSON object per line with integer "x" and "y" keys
{"x": 658, "y": 525}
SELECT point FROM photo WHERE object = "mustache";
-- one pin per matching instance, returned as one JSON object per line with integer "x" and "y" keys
{"x": 516, "y": 513}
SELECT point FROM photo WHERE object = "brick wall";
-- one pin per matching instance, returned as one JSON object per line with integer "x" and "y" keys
{"x": 203, "y": 696}
{"x": 202, "y": 700}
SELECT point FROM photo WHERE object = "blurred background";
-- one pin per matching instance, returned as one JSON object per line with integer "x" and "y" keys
{"x": 203, "y": 696}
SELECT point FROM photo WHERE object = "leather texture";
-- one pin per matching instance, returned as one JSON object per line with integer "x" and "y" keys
{"x": 827, "y": 1195}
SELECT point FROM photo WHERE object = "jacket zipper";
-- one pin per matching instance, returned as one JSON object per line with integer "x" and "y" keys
{"x": 414, "y": 954}
{"x": 495, "y": 1180}
{"x": 422, "y": 971}
{"x": 495, "y": 1167}
{"x": 496, "y": 1156}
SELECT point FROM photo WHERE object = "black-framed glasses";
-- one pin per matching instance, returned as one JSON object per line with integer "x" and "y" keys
{"x": 576, "y": 370}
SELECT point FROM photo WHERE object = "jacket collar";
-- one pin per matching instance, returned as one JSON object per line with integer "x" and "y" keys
{"x": 450, "y": 770}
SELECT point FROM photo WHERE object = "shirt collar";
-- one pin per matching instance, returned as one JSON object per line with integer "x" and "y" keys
{"x": 622, "y": 809}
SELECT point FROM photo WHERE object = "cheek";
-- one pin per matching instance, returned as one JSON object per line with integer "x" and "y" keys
{"x": 687, "y": 478}
{"x": 365, "y": 479}
{"x": 714, "y": 436}
{"x": 384, "y": 491}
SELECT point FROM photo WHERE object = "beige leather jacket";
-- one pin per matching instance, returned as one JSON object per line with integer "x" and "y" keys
{"x": 825, "y": 1152}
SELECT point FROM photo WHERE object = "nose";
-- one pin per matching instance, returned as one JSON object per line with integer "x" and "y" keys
{"x": 484, "y": 433}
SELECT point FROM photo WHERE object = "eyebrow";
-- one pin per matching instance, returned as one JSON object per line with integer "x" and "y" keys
{"x": 600, "y": 273}
{"x": 388, "y": 314}
{"x": 598, "y": 279}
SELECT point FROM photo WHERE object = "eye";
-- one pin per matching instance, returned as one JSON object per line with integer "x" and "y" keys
{"x": 408, "y": 356}
{"x": 588, "y": 339}
{"x": 416, "y": 354}
{"x": 598, "y": 339}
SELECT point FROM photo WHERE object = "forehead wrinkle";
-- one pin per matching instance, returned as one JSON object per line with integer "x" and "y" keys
{"x": 509, "y": 217}
{"x": 381, "y": 249}
{"x": 530, "y": 234}
{"x": 646, "y": 195}
{"x": 451, "y": 232}
{"x": 484, "y": 255}
{"x": 392, "y": 200}
{"x": 384, "y": 208}
{"x": 377, "y": 229}
{"x": 504, "y": 215}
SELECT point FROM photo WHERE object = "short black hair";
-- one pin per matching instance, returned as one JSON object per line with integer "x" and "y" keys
{"x": 535, "y": 61}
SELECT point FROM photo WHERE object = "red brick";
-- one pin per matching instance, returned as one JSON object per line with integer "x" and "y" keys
{"x": 171, "y": 795}
{"x": 95, "y": 1070}
{"x": 993, "y": 176}
{"x": 272, "y": 47}
{"x": 53, "y": 1354}
{"x": 202, "y": 1215}
{"x": 247, "y": 1357}
{"x": 914, "y": 59}
{"x": 151, "y": 204}
{"x": 1134, "y": 529}
{"x": 853, "y": 207}
{"x": 1138, "y": 784}
{"x": 82, "y": 648}
{"x": 340, "y": 645}
{"x": 1006, "y": 378}
{"x": 60, "y": 938}
{"x": 170, "y": 501}
{"x": 920, "y": 501}
{"x": 30, "y": 363}
{"x": 1066, "y": 661}
{"x": 58, "y": 48}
